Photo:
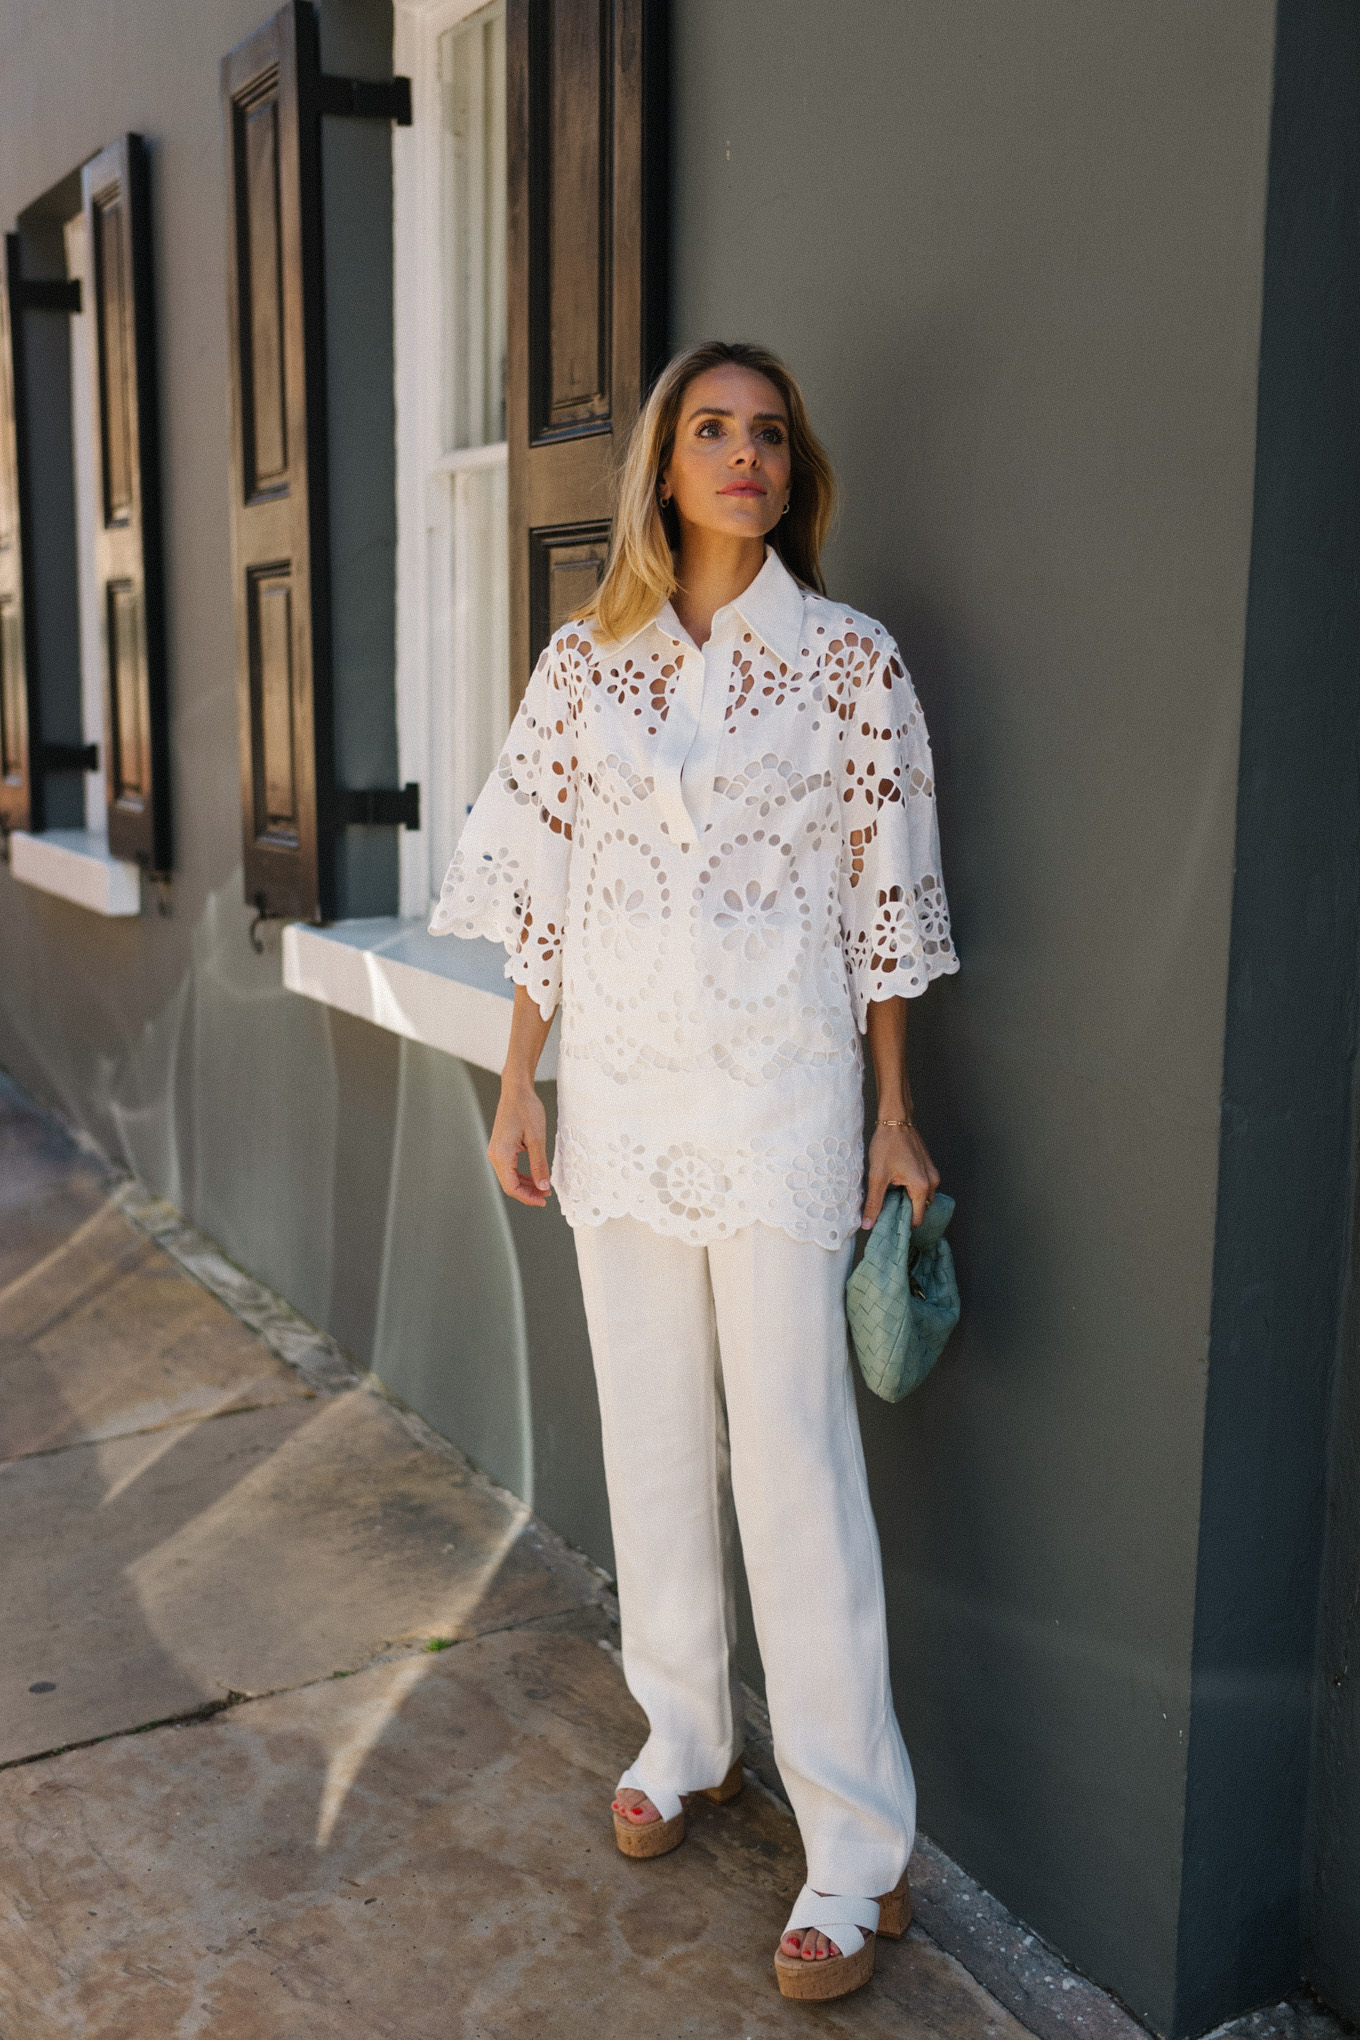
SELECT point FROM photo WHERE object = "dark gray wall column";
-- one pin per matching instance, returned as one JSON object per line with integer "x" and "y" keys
{"x": 1331, "y": 1891}
{"x": 1287, "y": 1139}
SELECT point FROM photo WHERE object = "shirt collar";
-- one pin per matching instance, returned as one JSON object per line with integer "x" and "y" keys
{"x": 772, "y": 606}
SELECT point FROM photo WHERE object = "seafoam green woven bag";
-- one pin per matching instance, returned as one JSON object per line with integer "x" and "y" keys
{"x": 902, "y": 1300}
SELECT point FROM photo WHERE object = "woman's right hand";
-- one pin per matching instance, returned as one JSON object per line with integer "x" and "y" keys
{"x": 521, "y": 1127}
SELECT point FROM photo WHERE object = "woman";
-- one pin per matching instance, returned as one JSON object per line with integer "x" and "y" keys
{"x": 712, "y": 835}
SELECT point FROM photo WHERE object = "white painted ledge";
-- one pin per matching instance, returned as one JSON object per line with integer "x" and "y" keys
{"x": 75, "y": 865}
{"x": 437, "y": 989}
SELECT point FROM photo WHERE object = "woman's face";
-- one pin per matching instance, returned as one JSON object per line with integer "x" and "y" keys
{"x": 730, "y": 468}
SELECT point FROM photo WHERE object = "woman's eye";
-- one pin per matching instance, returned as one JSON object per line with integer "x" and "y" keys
{"x": 773, "y": 435}
{"x": 709, "y": 429}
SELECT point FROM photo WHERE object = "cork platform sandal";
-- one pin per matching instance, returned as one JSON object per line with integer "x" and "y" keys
{"x": 659, "y": 1837}
{"x": 853, "y": 1924}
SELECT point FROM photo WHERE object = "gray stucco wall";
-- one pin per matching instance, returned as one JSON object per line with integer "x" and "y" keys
{"x": 1015, "y": 254}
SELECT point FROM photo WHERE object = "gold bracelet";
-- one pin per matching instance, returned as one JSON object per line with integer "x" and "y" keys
{"x": 896, "y": 1122}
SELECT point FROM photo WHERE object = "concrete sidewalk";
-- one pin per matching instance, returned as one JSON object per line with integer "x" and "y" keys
{"x": 308, "y": 1729}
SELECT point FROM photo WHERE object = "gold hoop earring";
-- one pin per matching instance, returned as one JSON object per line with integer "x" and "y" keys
{"x": 785, "y": 511}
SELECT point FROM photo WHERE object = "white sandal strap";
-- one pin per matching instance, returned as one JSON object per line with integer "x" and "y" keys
{"x": 666, "y": 1803}
{"x": 840, "y": 1919}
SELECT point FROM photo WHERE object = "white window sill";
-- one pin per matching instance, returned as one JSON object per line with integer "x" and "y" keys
{"x": 75, "y": 865}
{"x": 437, "y": 989}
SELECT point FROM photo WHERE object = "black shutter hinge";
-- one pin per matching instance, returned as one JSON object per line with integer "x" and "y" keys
{"x": 69, "y": 757}
{"x": 378, "y": 807}
{"x": 47, "y": 294}
{"x": 365, "y": 99}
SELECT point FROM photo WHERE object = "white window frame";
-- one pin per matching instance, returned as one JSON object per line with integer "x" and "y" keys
{"x": 435, "y": 707}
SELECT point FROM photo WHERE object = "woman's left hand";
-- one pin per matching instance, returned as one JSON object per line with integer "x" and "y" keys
{"x": 897, "y": 1154}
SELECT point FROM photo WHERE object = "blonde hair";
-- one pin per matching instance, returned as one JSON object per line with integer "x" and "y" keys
{"x": 640, "y": 575}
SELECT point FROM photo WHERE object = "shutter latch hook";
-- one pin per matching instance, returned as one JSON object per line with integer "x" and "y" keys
{"x": 262, "y": 914}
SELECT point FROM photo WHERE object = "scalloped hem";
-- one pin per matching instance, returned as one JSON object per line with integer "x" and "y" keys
{"x": 517, "y": 968}
{"x": 939, "y": 967}
{"x": 702, "y": 1232}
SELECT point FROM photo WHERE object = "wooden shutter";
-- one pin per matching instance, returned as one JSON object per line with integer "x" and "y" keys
{"x": 127, "y": 536}
{"x": 15, "y": 776}
{"x": 586, "y": 264}
{"x": 280, "y": 549}
{"x": 274, "y": 94}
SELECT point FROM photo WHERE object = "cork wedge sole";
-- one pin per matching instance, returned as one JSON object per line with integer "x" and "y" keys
{"x": 659, "y": 1837}
{"x": 837, "y": 1975}
{"x": 894, "y": 1910}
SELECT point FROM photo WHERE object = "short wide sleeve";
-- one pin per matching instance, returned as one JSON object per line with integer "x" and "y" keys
{"x": 508, "y": 880}
{"x": 894, "y": 916}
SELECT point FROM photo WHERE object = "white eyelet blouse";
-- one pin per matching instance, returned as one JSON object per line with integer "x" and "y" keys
{"x": 715, "y": 860}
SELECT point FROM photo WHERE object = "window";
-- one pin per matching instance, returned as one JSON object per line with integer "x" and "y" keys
{"x": 587, "y": 258}
{"x": 453, "y": 699}
{"x": 81, "y": 487}
{"x": 86, "y": 491}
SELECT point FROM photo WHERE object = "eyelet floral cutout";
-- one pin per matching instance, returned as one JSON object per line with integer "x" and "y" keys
{"x": 714, "y": 861}
{"x": 823, "y": 1180}
{"x": 749, "y": 920}
{"x": 690, "y": 1184}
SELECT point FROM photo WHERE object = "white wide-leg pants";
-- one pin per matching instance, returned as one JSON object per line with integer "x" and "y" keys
{"x": 755, "y": 1323}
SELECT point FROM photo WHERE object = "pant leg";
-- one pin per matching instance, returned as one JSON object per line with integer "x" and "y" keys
{"x": 812, "y": 1555}
{"x": 649, "y": 1307}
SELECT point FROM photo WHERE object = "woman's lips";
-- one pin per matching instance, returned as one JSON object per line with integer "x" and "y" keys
{"x": 742, "y": 489}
